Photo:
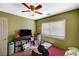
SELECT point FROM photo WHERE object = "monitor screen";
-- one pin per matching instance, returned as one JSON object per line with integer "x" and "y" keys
{"x": 25, "y": 32}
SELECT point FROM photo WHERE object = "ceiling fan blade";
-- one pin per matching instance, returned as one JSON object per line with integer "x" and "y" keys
{"x": 26, "y": 11}
{"x": 38, "y": 12}
{"x": 26, "y": 5}
{"x": 38, "y": 7}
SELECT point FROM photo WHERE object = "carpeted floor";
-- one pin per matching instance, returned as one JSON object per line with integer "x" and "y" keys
{"x": 23, "y": 53}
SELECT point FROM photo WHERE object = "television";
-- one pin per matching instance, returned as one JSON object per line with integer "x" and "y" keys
{"x": 25, "y": 32}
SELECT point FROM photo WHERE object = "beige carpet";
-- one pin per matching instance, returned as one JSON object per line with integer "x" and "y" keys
{"x": 23, "y": 53}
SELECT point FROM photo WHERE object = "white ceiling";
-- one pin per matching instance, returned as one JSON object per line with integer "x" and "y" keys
{"x": 47, "y": 9}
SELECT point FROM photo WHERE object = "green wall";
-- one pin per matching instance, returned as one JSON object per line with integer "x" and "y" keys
{"x": 72, "y": 20}
{"x": 16, "y": 23}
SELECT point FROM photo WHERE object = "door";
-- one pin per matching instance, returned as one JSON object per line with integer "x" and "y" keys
{"x": 3, "y": 36}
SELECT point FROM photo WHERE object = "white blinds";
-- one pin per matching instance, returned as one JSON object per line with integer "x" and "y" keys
{"x": 55, "y": 29}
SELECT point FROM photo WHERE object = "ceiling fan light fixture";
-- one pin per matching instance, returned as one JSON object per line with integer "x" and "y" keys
{"x": 33, "y": 9}
{"x": 33, "y": 13}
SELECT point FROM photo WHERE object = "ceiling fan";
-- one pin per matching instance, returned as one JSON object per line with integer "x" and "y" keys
{"x": 32, "y": 8}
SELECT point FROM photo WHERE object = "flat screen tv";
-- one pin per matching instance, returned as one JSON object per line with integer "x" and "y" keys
{"x": 25, "y": 32}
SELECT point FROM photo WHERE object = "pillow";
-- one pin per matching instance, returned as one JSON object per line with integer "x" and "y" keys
{"x": 46, "y": 45}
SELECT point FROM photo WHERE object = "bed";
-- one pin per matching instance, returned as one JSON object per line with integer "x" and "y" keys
{"x": 56, "y": 51}
{"x": 51, "y": 50}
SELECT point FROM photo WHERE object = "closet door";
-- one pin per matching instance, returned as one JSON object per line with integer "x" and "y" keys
{"x": 3, "y": 36}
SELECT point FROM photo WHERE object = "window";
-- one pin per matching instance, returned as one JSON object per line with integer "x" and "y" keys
{"x": 54, "y": 29}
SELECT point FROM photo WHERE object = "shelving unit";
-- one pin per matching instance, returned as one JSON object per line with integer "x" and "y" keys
{"x": 18, "y": 44}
